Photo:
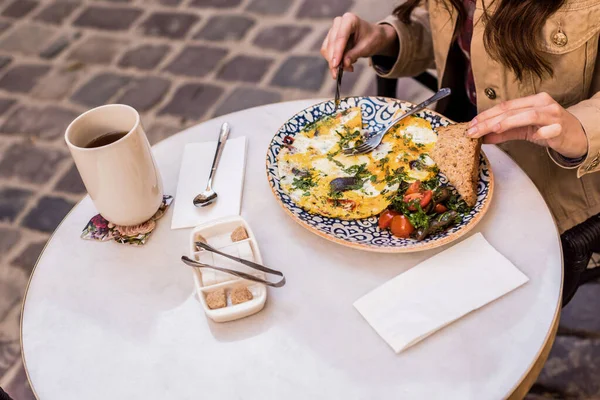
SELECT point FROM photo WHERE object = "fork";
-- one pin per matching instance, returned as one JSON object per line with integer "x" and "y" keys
{"x": 374, "y": 140}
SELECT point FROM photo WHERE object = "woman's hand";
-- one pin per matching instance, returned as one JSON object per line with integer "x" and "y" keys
{"x": 538, "y": 119}
{"x": 367, "y": 40}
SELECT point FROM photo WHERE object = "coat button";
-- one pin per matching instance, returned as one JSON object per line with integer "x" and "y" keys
{"x": 490, "y": 93}
{"x": 559, "y": 38}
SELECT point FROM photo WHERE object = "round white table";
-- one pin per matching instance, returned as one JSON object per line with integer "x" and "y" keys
{"x": 104, "y": 320}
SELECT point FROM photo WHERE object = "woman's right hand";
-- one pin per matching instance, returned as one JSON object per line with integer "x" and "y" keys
{"x": 367, "y": 40}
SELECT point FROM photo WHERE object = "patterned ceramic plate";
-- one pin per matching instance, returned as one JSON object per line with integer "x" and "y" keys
{"x": 364, "y": 233}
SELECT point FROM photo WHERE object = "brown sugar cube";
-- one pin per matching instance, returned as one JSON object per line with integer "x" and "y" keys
{"x": 216, "y": 299}
{"x": 240, "y": 295}
{"x": 239, "y": 234}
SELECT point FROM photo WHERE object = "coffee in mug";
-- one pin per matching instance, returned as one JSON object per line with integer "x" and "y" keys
{"x": 114, "y": 159}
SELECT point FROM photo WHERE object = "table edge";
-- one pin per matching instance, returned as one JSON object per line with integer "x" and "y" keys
{"x": 519, "y": 390}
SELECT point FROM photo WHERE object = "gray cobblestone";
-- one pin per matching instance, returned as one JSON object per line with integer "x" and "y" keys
{"x": 191, "y": 101}
{"x": 28, "y": 257}
{"x": 245, "y": 68}
{"x": 216, "y": 3}
{"x": 161, "y": 130}
{"x": 98, "y": 49}
{"x": 57, "y": 11}
{"x": 47, "y": 214}
{"x": 57, "y": 84}
{"x": 100, "y": 89}
{"x": 5, "y": 104}
{"x": 108, "y": 18}
{"x": 22, "y": 78}
{"x": 281, "y": 37}
{"x": 12, "y": 202}
{"x": 168, "y": 24}
{"x": 71, "y": 182}
{"x": 142, "y": 94}
{"x": 19, "y": 8}
{"x": 144, "y": 57}
{"x": 27, "y": 39}
{"x": 225, "y": 27}
{"x": 324, "y": 9}
{"x": 46, "y": 123}
{"x": 269, "y": 7}
{"x": 30, "y": 162}
{"x": 8, "y": 238}
{"x": 196, "y": 60}
{"x": 242, "y": 98}
{"x": 301, "y": 72}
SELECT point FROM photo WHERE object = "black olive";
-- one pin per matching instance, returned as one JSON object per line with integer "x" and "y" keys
{"x": 300, "y": 173}
{"x": 441, "y": 194}
{"x": 343, "y": 184}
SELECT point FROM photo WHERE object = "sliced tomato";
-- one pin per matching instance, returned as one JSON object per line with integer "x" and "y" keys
{"x": 427, "y": 195}
{"x": 414, "y": 187}
{"x": 385, "y": 219}
{"x": 440, "y": 208}
{"x": 401, "y": 226}
{"x": 422, "y": 198}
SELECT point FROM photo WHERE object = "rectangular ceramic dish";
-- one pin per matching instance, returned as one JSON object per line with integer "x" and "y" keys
{"x": 218, "y": 235}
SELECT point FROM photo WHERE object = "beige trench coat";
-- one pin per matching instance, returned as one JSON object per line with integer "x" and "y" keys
{"x": 573, "y": 195}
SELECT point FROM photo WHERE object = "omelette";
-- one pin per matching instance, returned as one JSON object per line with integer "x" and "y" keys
{"x": 318, "y": 177}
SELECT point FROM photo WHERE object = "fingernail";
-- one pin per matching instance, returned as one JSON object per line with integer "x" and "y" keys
{"x": 334, "y": 62}
{"x": 473, "y": 122}
{"x": 472, "y": 131}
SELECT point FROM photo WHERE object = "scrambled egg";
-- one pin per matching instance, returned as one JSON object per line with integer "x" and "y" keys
{"x": 311, "y": 161}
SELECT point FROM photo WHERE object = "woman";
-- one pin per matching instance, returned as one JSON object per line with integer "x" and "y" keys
{"x": 526, "y": 73}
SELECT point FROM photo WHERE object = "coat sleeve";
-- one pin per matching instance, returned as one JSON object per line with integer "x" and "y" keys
{"x": 588, "y": 113}
{"x": 416, "y": 46}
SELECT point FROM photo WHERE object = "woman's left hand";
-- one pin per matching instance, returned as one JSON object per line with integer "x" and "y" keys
{"x": 538, "y": 119}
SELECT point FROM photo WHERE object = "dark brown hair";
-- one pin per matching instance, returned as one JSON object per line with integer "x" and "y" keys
{"x": 511, "y": 32}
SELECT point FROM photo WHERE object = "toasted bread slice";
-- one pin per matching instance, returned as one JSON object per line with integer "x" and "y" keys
{"x": 457, "y": 156}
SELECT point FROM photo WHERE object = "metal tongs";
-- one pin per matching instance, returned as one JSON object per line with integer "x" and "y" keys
{"x": 196, "y": 264}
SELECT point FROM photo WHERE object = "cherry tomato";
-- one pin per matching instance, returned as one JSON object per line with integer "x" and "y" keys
{"x": 427, "y": 195}
{"x": 385, "y": 219}
{"x": 440, "y": 208}
{"x": 414, "y": 187}
{"x": 401, "y": 226}
{"x": 424, "y": 198}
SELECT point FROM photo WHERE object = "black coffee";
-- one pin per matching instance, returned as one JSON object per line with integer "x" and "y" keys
{"x": 105, "y": 139}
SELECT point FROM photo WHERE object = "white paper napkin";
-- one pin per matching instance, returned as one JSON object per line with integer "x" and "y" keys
{"x": 228, "y": 182}
{"x": 440, "y": 290}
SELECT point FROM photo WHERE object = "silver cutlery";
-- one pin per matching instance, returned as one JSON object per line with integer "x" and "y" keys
{"x": 209, "y": 196}
{"x": 371, "y": 142}
{"x": 338, "y": 86}
{"x": 240, "y": 274}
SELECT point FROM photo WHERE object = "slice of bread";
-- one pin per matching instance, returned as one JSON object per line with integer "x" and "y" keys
{"x": 457, "y": 156}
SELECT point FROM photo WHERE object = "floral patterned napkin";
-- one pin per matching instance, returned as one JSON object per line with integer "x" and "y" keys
{"x": 101, "y": 230}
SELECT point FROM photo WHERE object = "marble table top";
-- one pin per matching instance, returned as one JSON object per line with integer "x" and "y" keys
{"x": 103, "y": 320}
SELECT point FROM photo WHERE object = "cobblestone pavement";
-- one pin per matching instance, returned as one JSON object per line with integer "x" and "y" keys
{"x": 178, "y": 62}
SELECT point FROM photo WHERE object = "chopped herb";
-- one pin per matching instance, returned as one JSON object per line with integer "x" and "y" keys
{"x": 305, "y": 182}
{"x": 419, "y": 145}
{"x": 373, "y": 178}
{"x": 432, "y": 183}
{"x": 457, "y": 204}
{"x": 346, "y": 136}
{"x": 381, "y": 163}
{"x": 333, "y": 160}
{"x": 358, "y": 171}
{"x": 413, "y": 148}
{"x": 384, "y": 191}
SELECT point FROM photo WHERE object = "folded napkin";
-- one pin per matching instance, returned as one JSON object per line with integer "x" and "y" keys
{"x": 228, "y": 182}
{"x": 440, "y": 290}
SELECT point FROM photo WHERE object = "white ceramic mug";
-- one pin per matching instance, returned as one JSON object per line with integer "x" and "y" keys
{"x": 121, "y": 177}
